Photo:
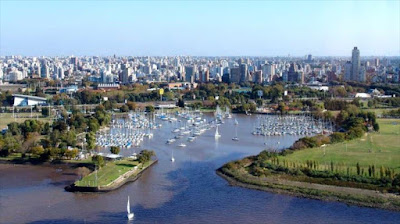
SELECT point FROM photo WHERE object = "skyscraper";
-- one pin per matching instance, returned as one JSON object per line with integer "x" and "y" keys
{"x": 235, "y": 75}
{"x": 125, "y": 75}
{"x": 268, "y": 71}
{"x": 258, "y": 77}
{"x": 206, "y": 76}
{"x": 362, "y": 76}
{"x": 189, "y": 74}
{"x": 45, "y": 71}
{"x": 355, "y": 64}
{"x": 293, "y": 75}
{"x": 347, "y": 71}
{"x": 243, "y": 73}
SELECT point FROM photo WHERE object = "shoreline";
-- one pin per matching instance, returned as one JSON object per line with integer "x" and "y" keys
{"x": 49, "y": 164}
{"x": 381, "y": 202}
{"x": 116, "y": 184}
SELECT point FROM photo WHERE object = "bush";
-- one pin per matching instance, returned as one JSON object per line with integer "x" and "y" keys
{"x": 354, "y": 133}
{"x": 4, "y": 153}
{"x": 124, "y": 108}
{"x": 337, "y": 137}
{"x": 37, "y": 150}
{"x": 98, "y": 160}
{"x": 376, "y": 126}
{"x": 115, "y": 150}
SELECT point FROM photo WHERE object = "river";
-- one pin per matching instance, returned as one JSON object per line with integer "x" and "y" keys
{"x": 187, "y": 191}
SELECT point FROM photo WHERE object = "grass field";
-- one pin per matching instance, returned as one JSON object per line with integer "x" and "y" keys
{"x": 379, "y": 111}
{"x": 379, "y": 149}
{"x": 6, "y": 118}
{"x": 108, "y": 173}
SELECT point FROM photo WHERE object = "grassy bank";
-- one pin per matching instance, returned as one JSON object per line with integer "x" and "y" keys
{"x": 361, "y": 171}
{"x": 110, "y": 172}
{"x": 378, "y": 149}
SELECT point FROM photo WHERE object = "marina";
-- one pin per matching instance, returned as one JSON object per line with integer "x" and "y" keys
{"x": 184, "y": 191}
{"x": 292, "y": 125}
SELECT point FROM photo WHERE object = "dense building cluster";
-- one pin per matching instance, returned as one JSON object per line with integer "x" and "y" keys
{"x": 125, "y": 70}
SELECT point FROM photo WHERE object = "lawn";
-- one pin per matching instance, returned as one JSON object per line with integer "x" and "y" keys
{"x": 108, "y": 173}
{"x": 6, "y": 118}
{"x": 379, "y": 149}
{"x": 379, "y": 111}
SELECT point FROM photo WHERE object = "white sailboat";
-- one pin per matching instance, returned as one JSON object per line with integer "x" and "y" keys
{"x": 217, "y": 135}
{"x": 172, "y": 157}
{"x": 235, "y": 138}
{"x": 130, "y": 214}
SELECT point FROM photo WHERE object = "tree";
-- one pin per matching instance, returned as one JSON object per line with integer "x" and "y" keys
{"x": 70, "y": 154}
{"x": 114, "y": 149}
{"x": 91, "y": 141}
{"x": 37, "y": 150}
{"x": 149, "y": 108}
{"x": 282, "y": 108}
{"x": 93, "y": 125}
{"x": 45, "y": 111}
{"x": 131, "y": 105}
{"x": 145, "y": 156}
{"x": 337, "y": 137}
{"x": 98, "y": 160}
{"x": 12, "y": 143}
{"x": 124, "y": 108}
{"x": 181, "y": 103}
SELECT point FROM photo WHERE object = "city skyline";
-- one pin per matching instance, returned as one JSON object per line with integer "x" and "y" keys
{"x": 43, "y": 28}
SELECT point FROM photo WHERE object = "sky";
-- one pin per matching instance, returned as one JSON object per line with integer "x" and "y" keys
{"x": 199, "y": 28}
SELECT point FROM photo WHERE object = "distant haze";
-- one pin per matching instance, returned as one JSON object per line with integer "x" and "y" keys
{"x": 223, "y": 28}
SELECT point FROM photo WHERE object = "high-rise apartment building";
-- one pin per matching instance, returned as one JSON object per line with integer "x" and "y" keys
{"x": 125, "y": 75}
{"x": 347, "y": 71}
{"x": 189, "y": 74}
{"x": 243, "y": 73}
{"x": 235, "y": 75}
{"x": 355, "y": 67}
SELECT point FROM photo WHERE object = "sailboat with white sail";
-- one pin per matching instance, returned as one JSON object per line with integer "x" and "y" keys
{"x": 130, "y": 214}
{"x": 217, "y": 135}
{"x": 172, "y": 156}
{"x": 236, "y": 137}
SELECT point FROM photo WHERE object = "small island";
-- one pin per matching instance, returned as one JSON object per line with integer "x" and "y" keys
{"x": 359, "y": 165}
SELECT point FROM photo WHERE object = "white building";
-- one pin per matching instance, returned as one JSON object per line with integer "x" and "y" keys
{"x": 25, "y": 100}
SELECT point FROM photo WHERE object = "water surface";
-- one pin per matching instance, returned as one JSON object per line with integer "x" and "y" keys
{"x": 187, "y": 191}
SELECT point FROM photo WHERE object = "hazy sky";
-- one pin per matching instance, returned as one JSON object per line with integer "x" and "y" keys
{"x": 200, "y": 28}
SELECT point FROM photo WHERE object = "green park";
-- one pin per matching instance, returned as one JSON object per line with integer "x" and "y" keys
{"x": 381, "y": 149}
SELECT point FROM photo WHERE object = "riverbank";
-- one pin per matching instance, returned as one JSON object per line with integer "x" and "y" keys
{"x": 351, "y": 196}
{"x": 110, "y": 177}
{"x": 18, "y": 160}
{"x": 363, "y": 171}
